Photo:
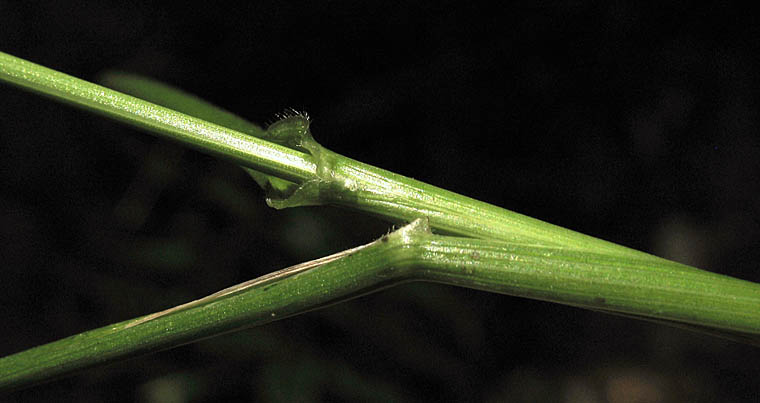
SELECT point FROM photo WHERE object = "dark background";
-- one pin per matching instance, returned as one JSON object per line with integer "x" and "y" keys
{"x": 632, "y": 123}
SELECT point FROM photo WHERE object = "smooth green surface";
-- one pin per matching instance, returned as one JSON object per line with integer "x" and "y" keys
{"x": 352, "y": 275}
{"x": 595, "y": 281}
{"x": 199, "y": 134}
{"x": 180, "y": 101}
{"x": 176, "y": 99}
{"x": 325, "y": 177}
{"x": 506, "y": 252}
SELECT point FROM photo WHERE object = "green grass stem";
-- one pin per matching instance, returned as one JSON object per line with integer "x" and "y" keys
{"x": 476, "y": 245}
{"x": 726, "y": 305}
{"x": 324, "y": 177}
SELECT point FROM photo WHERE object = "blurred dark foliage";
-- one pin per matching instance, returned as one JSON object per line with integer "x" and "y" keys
{"x": 634, "y": 123}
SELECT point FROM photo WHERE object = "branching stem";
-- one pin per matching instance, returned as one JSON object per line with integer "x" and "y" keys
{"x": 492, "y": 249}
{"x": 412, "y": 253}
